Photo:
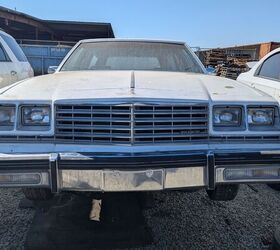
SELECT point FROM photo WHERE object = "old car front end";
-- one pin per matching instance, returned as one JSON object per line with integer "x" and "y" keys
{"x": 137, "y": 131}
{"x": 138, "y": 145}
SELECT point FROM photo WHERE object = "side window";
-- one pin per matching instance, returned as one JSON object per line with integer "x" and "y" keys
{"x": 271, "y": 67}
{"x": 3, "y": 56}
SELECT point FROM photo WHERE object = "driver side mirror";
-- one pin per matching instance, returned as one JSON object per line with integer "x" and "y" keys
{"x": 52, "y": 69}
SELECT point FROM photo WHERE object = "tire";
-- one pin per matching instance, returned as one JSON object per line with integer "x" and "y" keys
{"x": 275, "y": 186}
{"x": 276, "y": 240}
{"x": 37, "y": 194}
{"x": 147, "y": 199}
{"x": 223, "y": 192}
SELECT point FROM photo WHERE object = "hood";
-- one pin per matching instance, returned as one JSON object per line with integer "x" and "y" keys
{"x": 118, "y": 84}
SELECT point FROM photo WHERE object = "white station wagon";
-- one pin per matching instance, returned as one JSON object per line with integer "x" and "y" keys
{"x": 136, "y": 115}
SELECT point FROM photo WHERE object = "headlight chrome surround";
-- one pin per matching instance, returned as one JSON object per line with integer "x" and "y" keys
{"x": 263, "y": 116}
{"x": 227, "y": 116}
{"x": 35, "y": 115}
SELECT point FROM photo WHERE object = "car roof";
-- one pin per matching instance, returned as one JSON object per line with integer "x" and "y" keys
{"x": 271, "y": 53}
{"x": 5, "y": 33}
{"x": 132, "y": 40}
{"x": 275, "y": 50}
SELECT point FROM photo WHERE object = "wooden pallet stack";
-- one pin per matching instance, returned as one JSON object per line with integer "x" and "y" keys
{"x": 228, "y": 64}
{"x": 231, "y": 72}
{"x": 215, "y": 57}
{"x": 235, "y": 65}
{"x": 238, "y": 59}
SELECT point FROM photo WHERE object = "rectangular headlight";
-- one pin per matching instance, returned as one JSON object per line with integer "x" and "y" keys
{"x": 261, "y": 116}
{"x": 35, "y": 115}
{"x": 227, "y": 116}
{"x": 7, "y": 116}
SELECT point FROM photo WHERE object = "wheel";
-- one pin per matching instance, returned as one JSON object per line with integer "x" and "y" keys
{"x": 275, "y": 186}
{"x": 223, "y": 192}
{"x": 37, "y": 194}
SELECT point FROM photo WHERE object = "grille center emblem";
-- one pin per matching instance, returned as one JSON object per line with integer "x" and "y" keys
{"x": 149, "y": 173}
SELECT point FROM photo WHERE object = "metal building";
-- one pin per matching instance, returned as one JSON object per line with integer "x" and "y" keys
{"x": 46, "y": 42}
{"x": 25, "y": 27}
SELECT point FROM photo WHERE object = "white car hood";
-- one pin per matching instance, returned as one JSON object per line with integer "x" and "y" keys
{"x": 117, "y": 84}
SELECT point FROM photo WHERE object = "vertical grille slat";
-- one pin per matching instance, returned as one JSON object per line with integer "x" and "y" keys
{"x": 131, "y": 123}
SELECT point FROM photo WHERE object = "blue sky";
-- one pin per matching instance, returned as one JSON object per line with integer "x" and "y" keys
{"x": 203, "y": 23}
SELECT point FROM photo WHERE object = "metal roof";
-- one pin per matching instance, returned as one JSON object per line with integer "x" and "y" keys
{"x": 23, "y": 26}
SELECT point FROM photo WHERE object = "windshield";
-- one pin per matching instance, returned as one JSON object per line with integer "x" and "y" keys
{"x": 132, "y": 56}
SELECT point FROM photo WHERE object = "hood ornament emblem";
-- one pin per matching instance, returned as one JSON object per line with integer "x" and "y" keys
{"x": 132, "y": 83}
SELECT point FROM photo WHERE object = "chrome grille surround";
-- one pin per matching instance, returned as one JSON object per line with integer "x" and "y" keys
{"x": 131, "y": 123}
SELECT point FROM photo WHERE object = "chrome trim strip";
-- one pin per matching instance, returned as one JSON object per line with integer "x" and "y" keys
{"x": 21, "y": 157}
{"x": 270, "y": 152}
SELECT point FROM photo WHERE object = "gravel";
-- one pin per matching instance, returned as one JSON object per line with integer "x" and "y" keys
{"x": 178, "y": 220}
{"x": 192, "y": 221}
{"x": 14, "y": 222}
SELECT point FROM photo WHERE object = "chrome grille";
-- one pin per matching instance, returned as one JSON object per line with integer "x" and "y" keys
{"x": 131, "y": 123}
{"x": 176, "y": 123}
{"x": 94, "y": 123}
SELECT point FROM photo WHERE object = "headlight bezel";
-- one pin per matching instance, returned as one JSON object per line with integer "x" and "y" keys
{"x": 262, "y": 109}
{"x": 275, "y": 126}
{"x": 23, "y": 125}
{"x": 239, "y": 125}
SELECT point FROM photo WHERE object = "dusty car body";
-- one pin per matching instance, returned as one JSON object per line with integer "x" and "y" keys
{"x": 265, "y": 74}
{"x": 13, "y": 63}
{"x": 136, "y": 115}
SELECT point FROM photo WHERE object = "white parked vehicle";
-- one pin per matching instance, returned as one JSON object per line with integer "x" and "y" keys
{"x": 265, "y": 74}
{"x": 13, "y": 63}
{"x": 136, "y": 115}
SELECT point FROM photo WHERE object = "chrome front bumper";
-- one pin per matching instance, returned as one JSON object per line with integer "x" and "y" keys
{"x": 113, "y": 172}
